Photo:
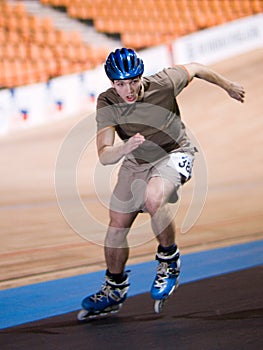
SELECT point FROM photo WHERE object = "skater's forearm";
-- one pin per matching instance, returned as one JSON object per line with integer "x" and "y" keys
{"x": 107, "y": 151}
{"x": 200, "y": 71}
{"x": 110, "y": 153}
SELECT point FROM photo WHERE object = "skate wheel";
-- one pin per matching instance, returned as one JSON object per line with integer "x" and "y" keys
{"x": 85, "y": 315}
{"x": 82, "y": 315}
{"x": 158, "y": 305}
{"x": 116, "y": 309}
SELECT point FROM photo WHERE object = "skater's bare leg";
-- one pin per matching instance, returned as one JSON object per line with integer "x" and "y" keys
{"x": 166, "y": 279}
{"x": 158, "y": 193}
{"x": 164, "y": 235}
{"x": 114, "y": 290}
{"x": 116, "y": 247}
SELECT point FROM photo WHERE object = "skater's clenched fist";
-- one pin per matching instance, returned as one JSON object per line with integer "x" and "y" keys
{"x": 133, "y": 143}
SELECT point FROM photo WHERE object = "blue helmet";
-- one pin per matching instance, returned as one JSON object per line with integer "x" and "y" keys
{"x": 123, "y": 64}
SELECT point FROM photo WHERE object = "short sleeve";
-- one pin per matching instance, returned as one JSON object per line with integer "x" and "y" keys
{"x": 179, "y": 77}
{"x": 105, "y": 114}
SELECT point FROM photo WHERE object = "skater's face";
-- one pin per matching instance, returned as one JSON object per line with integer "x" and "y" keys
{"x": 129, "y": 90}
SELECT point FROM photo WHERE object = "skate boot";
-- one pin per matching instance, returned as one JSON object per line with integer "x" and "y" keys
{"x": 167, "y": 276}
{"x": 108, "y": 300}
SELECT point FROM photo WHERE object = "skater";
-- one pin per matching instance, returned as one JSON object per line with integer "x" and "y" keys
{"x": 157, "y": 158}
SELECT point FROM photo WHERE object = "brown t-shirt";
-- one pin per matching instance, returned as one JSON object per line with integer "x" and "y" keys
{"x": 156, "y": 116}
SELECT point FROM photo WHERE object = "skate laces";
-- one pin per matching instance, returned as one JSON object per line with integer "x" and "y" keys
{"x": 162, "y": 274}
{"x": 110, "y": 291}
{"x": 164, "y": 271}
{"x": 103, "y": 293}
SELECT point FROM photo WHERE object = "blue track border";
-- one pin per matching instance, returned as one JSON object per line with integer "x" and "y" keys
{"x": 34, "y": 302}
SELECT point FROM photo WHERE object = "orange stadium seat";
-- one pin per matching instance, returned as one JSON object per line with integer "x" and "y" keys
{"x": 10, "y": 74}
{"x": 19, "y": 9}
{"x": 46, "y": 2}
{"x": 47, "y": 24}
{"x": 2, "y": 37}
{"x": 13, "y": 37}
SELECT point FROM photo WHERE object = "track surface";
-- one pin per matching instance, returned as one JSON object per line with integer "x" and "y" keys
{"x": 220, "y": 313}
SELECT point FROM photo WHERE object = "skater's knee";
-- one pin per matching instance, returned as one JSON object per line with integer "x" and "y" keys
{"x": 118, "y": 229}
{"x": 154, "y": 199}
{"x": 157, "y": 194}
{"x": 121, "y": 221}
{"x": 152, "y": 204}
{"x": 116, "y": 237}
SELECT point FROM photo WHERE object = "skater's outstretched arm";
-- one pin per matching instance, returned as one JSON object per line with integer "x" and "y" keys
{"x": 200, "y": 71}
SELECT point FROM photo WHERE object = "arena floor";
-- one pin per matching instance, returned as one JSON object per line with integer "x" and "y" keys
{"x": 38, "y": 245}
{"x": 215, "y": 313}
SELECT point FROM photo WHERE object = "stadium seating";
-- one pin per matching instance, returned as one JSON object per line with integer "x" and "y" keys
{"x": 33, "y": 50}
{"x": 143, "y": 23}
